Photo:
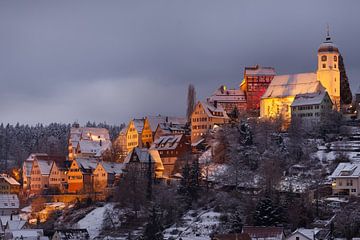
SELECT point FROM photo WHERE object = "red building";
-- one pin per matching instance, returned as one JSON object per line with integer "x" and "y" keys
{"x": 256, "y": 81}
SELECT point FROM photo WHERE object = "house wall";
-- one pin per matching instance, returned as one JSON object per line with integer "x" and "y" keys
{"x": 75, "y": 178}
{"x": 275, "y": 107}
{"x": 201, "y": 123}
{"x": 348, "y": 185}
{"x": 100, "y": 178}
{"x": 57, "y": 178}
{"x": 38, "y": 182}
{"x": 297, "y": 236}
{"x": 146, "y": 135}
{"x": 129, "y": 140}
{"x": 255, "y": 88}
{"x": 7, "y": 188}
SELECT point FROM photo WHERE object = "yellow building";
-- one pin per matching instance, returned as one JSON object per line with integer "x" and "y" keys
{"x": 58, "y": 175}
{"x": 277, "y": 100}
{"x": 128, "y": 139}
{"x": 328, "y": 70}
{"x": 8, "y": 185}
{"x": 106, "y": 174}
{"x": 204, "y": 117}
{"x": 80, "y": 175}
{"x": 283, "y": 89}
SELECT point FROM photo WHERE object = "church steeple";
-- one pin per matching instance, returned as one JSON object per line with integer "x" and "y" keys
{"x": 328, "y": 68}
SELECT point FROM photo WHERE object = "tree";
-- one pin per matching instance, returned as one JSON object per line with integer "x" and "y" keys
{"x": 190, "y": 183}
{"x": 191, "y": 98}
{"x": 236, "y": 221}
{"x": 345, "y": 91}
{"x": 153, "y": 228}
{"x": 266, "y": 214}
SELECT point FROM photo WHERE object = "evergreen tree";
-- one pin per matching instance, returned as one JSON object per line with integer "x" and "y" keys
{"x": 266, "y": 214}
{"x": 191, "y": 98}
{"x": 153, "y": 229}
{"x": 190, "y": 183}
{"x": 236, "y": 221}
{"x": 345, "y": 91}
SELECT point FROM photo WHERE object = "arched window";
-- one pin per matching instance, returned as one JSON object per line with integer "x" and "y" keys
{"x": 323, "y": 58}
{"x": 335, "y": 58}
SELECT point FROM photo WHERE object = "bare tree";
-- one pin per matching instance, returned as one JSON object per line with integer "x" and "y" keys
{"x": 191, "y": 98}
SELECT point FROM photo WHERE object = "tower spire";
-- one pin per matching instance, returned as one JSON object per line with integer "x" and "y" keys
{"x": 328, "y": 38}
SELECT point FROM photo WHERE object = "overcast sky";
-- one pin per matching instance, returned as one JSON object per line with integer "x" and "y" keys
{"x": 62, "y": 61}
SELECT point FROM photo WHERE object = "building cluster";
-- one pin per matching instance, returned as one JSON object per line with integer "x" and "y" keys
{"x": 304, "y": 96}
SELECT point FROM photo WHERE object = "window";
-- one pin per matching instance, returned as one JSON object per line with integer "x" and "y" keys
{"x": 324, "y": 65}
{"x": 297, "y": 238}
{"x": 323, "y": 58}
{"x": 353, "y": 190}
{"x": 335, "y": 58}
{"x": 334, "y": 65}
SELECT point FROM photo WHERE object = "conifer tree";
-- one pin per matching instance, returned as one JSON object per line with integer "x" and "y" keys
{"x": 153, "y": 229}
{"x": 266, "y": 214}
{"x": 345, "y": 91}
{"x": 236, "y": 221}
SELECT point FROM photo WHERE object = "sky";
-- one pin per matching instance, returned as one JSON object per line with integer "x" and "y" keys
{"x": 66, "y": 61}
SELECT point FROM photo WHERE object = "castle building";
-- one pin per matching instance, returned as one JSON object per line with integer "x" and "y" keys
{"x": 256, "y": 81}
{"x": 280, "y": 94}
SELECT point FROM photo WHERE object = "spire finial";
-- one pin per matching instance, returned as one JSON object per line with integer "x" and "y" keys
{"x": 328, "y": 38}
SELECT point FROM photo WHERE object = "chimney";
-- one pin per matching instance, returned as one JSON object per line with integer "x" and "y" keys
{"x": 215, "y": 104}
{"x": 166, "y": 119}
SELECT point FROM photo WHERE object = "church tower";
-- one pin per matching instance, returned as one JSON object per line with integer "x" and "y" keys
{"x": 328, "y": 69}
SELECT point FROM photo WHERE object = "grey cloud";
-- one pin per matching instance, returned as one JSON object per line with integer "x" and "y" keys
{"x": 137, "y": 57}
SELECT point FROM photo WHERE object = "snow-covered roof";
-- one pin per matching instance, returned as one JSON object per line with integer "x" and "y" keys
{"x": 86, "y": 164}
{"x": 9, "y": 201}
{"x": 32, "y": 156}
{"x": 168, "y": 142}
{"x": 139, "y": 124}
{"x": 27, "y": 234}
{"x": 15, "y": 224}
{"x": 291, "y": 85}
{"x": 5, "y": 218}
{"x": 111, "y": 167}
{"x": 346, "y": 170}
{"x": 309, "y": 99}
{"x": 9, "y": 179}
{"x": 143, "y": 156}
{"x": 264, "y": 232}
{"x": 214, "y": 111}
{"x": 72, "y": 234}
{"x": 170, "y": 128}
{"x": 224, "y": 95}
{"x": 312, "y": 233}
{"x": 88, "y": 133}
{"x": 260, "y": 71}
{"x": 155, "y": 120}
{"x": 328, "y": 46}
{"x": 45, "y": 166}
{"x": 94, "y": 147}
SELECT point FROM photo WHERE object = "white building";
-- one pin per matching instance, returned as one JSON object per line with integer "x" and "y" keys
{"x": 309, "y": 234}
{"x": 9, "y": 204}
{"x": 346, "y": 179}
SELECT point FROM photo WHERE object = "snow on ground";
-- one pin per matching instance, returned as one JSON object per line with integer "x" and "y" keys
{"x": 93, "y": 221}
{"x": 195, "y": 225}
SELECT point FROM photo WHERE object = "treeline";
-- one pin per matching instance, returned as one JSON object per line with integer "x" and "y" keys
{"x": 18, "y": 141}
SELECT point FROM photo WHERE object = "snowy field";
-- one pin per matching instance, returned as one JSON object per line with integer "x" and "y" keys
{"x": 93, "y": 221}
{"x": 195, "y": 225}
